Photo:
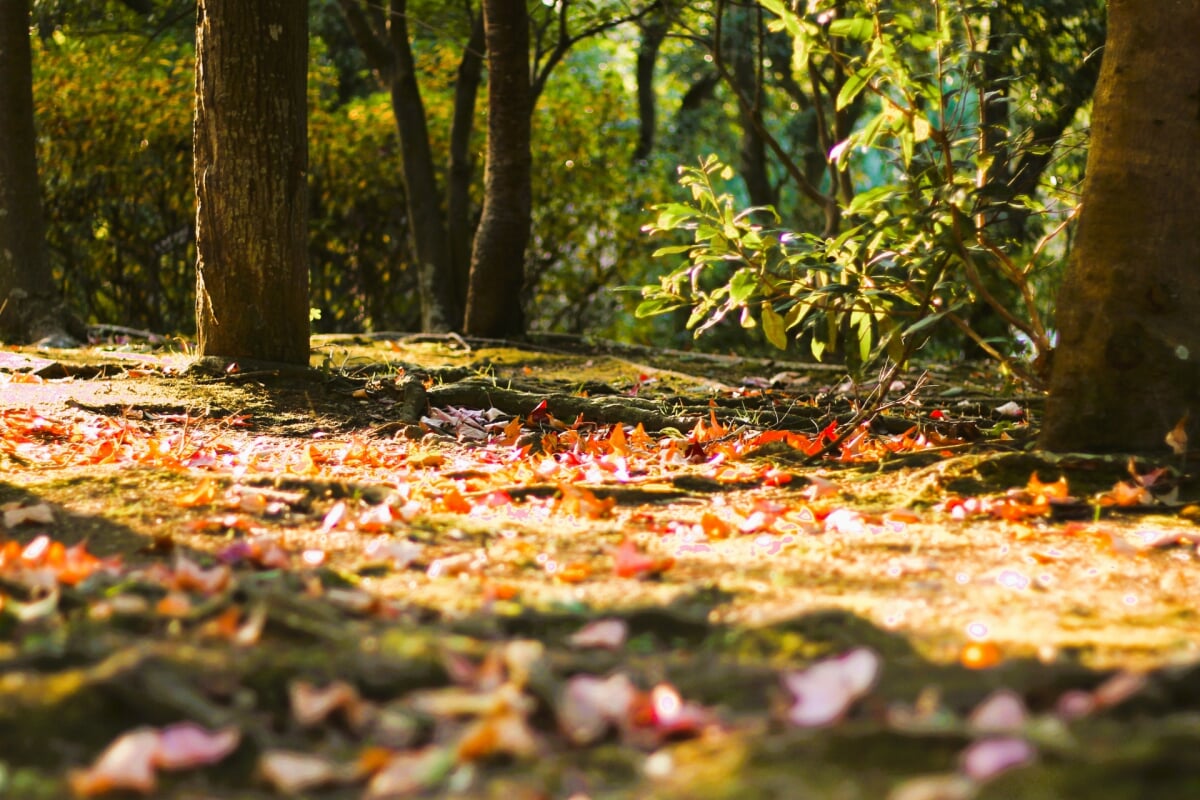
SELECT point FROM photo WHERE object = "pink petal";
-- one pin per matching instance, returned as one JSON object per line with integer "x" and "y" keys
{"x": 187, "y": 745}
{"x": 291, "y": 773}
{"x": 608, "y": 634}
{"x": 127, "y": 763}
{"x": 311, "y": 705}
{"x": 987, "y": 758}
{"x": 825, "y": 690}
{"x": 591, "y": 705}
{"x": 1001, "y": 711}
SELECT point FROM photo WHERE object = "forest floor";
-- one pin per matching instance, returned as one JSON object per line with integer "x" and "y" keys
{"x": 428, "y": 567}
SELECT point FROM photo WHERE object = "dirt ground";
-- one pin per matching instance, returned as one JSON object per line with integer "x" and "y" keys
{"x": 410, "y": 507}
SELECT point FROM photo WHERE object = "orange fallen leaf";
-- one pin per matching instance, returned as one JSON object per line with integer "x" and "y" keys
{"x": 980, "y": 655}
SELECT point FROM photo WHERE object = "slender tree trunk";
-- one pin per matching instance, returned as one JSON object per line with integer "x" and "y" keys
{"x": 1127, "y": 366}
{"x": 251, "y": 161}
{"x": 426, "y": 225}
{"x": 459, "y": 225}
{"x": 745, "y": 43}
{"x": 29, "y": 306}
{"x": 498, "y": 261}
{"x": 654, "y": 33}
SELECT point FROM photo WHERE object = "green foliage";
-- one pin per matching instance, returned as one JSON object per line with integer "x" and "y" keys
{"x": 114, "y": 117}
{"x": 930, "y": 226}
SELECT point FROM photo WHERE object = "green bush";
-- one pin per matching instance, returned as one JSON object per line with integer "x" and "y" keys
{"x": 114, "y": 116}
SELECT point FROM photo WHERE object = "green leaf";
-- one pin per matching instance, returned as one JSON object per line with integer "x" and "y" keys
{"x": 773, "y": 327}
{"x": 742, "y": 286}
{"x": 654, "y": 306}
{"x": 672, "y": 250}
{"x": 854, "y": 85}
{"x": 861, "y": 28}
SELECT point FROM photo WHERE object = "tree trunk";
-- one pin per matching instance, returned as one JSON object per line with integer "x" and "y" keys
{"x": 1127, "y": 367}
{"x": 29, "y": 307}
{"x": 745, "y": 44}
{"x": 426, "y": 226}
{"x": 654, "y": 33}
{"x": 498, "y": 260}
{"x": 251, "y": 161}
{"x": 460, "y": 227}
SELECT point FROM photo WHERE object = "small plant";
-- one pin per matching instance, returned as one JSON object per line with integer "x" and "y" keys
{"x": 924, "y": 227}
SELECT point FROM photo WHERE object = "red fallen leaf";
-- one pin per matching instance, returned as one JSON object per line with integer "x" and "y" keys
{"x": 618, "y": 441}
{"x": 1124, "y": 495}
{"x": 312, "y": 706}
{"x": 1177, "y": 437}
{"x": 454, "y": 502}
{"x": 511, "y": 432}
{"x": 189, "y": 576}
{"x": 980, "y": 655}
{"x": 540, "y": 414}
{"x": 580, "y": 501}
{"x": 504, "y": 733}
{"x": 573, "y": 572}
{"x": 292, "y": 773}
{"x": 203, "y": 495}
{"x": 629, "y": 562}
{"x": 174, "y": 604}
{"x": 410, "y": 773}
{"x": 1051, "y": 491}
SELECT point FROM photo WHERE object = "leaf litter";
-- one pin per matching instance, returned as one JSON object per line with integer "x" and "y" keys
{"x": 325, "y": 600}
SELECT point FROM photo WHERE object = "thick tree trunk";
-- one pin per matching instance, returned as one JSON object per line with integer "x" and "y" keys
{"x": 29, "y": 307}
{"x": 1127, "y": 366}
{"x": 460, "y": 227}
{"x": 498, "y": 261}
{"x": 251, "y": 162}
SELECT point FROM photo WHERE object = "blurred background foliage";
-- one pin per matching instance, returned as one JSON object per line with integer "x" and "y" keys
{"x": 113, "y": 85}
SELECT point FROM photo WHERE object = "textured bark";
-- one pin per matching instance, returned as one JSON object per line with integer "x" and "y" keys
{"x": 1127, "y": 366}
{"x": 426, "y": 226}
{"x": 654, "y": 33}
{"x": 25, "y": 279}
{"x": 459, "y": 225}
{"x": 251, "y": 162}
{"x": 498, "y": 260}
{"x": 745, "y": 43}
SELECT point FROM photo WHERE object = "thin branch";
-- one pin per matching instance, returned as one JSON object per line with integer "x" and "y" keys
{"x": 809, "y": 191}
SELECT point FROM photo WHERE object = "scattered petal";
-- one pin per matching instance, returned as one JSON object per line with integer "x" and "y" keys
{"x": 825, "y": 690}
{"x": 607, "y": 634}
{"x": 1001, "y": 712}
{"x": 987, "y": 758}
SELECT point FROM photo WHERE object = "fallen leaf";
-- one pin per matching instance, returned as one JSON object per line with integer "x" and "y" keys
{"x": 607, "y": 634}
{"x": 987, "y": 758}
{"x": 825, "y": 691}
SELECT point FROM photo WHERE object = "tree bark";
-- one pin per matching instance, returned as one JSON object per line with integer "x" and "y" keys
{"x": 251, "y": 161}
{"x": 459, "y": 227}
{"x": 29, "y": 306}
{"x": 745, "y": 45}
{"x": 426, "y": 225}
{"x": 1127, "y": 366}
{"x": 654, "y": 32}
{"x": 498, "y": 260}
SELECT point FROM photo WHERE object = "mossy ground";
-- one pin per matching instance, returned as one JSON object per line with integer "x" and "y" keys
{"x": 1064, "y": 604}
